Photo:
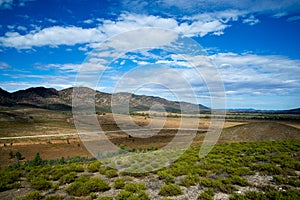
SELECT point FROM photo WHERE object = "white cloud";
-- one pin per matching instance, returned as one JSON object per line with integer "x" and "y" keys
{"x": 46, "y": 81}
{"x": 88, "y": 21}
{"x": 294, "y": 18}
{"x": 4, "y": 65}
{"x": 51, "y": 20}
{"x": 21, "y": 28}
{"x": 52, "y": 36}
{"x": 254, "y": 74}
{"x": 57, "y": 35}
{"x": 90, "y": 66}
{"x": 251, "y": 20}
{"x": 8, "y": 4}
{"x": 10, "y": 26}
{"x": 82, "y": 48}
{"x": 123, "y": 62}
{"x": 173, "y": 7}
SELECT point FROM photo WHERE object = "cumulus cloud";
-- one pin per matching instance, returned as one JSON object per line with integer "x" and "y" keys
{"x": 254, "y": 74}
{"x": 52, "y": 36}
{"x": 200, "y": 25}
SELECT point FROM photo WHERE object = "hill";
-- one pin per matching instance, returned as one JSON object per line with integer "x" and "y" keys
{"x": 53, "y": 99}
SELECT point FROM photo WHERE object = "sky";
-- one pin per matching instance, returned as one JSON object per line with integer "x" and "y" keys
{"x": 176, "y": 49}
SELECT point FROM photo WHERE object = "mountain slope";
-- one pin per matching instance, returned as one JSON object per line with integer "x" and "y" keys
{"x": 53, "y": 99}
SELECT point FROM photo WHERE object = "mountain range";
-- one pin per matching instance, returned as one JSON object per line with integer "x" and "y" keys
{"x": 50, "y": 98}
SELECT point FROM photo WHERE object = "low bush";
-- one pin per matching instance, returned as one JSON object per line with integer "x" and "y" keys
{"x": 166, "y": 177}
{"x": 119, "y": 183}
{"x": 83, "y": 186}
{"x": 267, "y": 168}
{"x": 53, "y": 197}
{"x": 111, "y": 173}
{"x": 170, "y": 190}
{"x": 68, "y": 178}
{"x": 126, "y": 195}
{"x": 189, "y": 180}
{"x": 290, "y": 194}
{"x": 32, "y": 196}
{"x": 105, "y": 198}
{"x": 206, "y": 195}
{"x": 8, "y": 180}
{"x": 96, "y": 185}
{"x": 40, "y": 183}
{"x": 76, "y": 167}
{"x": 134, "y": 187}
{"x": 94, "y": 166}
{"x": 219, "y": 185}
{"x": 237, "y": 180}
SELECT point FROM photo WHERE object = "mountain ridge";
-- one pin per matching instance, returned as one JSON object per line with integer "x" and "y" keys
{"x": 53, "y": 99}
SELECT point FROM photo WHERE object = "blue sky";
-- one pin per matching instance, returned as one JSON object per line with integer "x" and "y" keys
{"x": 254, "y": 45}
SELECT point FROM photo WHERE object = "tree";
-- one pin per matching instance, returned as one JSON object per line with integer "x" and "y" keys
{"x": 37, "y": 160}
{"x": 62, "y": 161}
{"x": 11, "y": 155}
{"x": 19, "y": 156}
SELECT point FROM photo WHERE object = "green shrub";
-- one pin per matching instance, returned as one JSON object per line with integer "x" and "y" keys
{"x": 40, "y": 183}
{"x": 206, "y": 195}
{"x": 77, "y": 189}
{"x": 269, "y": 194}
{"x": 68, "y": 178}
{"x": 206, "y": 182}
{"x": 166, "y": 177}
{"x": 236, "y": 196}
{"x": 126, "y": 195}
{"x": 134, "y": 187}
{"x": 220, "y": 185}
{"x": 75, "y": 167}
{"x": 111, "y": 173}
{"x": 58, "y": 171}
{"x": 31, "y": 196}
{"x": 53, "y": 197}
{"x": 8, "y": 180}
{"x": 189, "y": 180}
{"x": 83, "y": 186}
{"x": 170, "y": 190}
{"x": 267, "y": 168}
{"x": 123, "y": 195}
{"x": 93, "y": 195}
{"x": 102, "y": 170}
{"x": 179, "y": 168}
{"x": 96, "y": 185}
{"x": 119, "y": 183}
{"x": 105, "y": 198}
{"x": 94, "y": 166}
{"x": 243, "y": 171}
{"x": 83, "y": 178}
{"x": 237, "y": 180}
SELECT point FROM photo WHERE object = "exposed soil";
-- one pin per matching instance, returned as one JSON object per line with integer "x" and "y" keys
{"x": 55, "y": 148}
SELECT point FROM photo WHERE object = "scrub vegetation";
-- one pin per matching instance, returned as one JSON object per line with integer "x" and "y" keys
{"x": 246, "y": 170}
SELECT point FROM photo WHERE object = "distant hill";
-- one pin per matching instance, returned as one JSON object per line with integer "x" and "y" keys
{"x": 293, "y": 111}
{"x": 53, "y": 99}
{"x": 251, "y": 110}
